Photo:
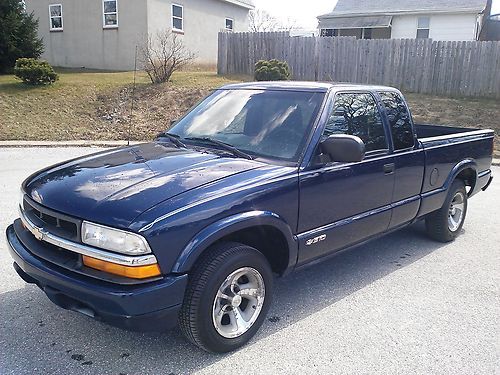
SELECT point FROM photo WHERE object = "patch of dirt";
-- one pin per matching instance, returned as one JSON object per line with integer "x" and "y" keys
{"x": 463, "y": 112}
{"x": 152, "y": 111}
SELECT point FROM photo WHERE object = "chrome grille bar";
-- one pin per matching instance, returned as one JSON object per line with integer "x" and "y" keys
{"x": 42, "y": 234}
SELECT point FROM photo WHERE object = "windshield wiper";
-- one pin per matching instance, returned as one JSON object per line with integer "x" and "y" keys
{"x": 174, "y": 138}
{"x": 222, "y": 145}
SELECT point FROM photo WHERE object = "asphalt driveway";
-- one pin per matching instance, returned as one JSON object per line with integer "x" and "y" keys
{"x": 399, "y": 305}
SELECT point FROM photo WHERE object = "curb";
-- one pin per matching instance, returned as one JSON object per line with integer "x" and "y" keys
{"x": 65, "y": 143}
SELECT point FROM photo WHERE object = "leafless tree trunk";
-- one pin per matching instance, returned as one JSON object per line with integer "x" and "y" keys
{"x": 162, "y": 54}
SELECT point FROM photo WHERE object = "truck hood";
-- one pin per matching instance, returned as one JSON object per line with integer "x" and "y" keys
{"x": 114, "y": 187}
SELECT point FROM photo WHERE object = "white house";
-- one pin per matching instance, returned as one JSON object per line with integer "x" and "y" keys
{"x": 103, "y": 34}
{"x": 447, "y": 20}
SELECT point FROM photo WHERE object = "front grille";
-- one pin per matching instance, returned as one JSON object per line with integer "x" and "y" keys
{"x": 54, "y": 222}
{"x": 67, "y": 259}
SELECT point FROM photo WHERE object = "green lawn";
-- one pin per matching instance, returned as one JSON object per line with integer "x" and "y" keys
{"x": 96, "y": 105}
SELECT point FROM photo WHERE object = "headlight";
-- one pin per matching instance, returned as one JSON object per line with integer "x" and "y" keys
{"x": 114, "y": 239}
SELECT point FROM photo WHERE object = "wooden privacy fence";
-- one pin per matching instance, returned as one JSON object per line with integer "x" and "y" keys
{"x": 417, "y": 65}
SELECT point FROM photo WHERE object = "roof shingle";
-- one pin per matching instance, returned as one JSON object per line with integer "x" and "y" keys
{"x": 364, "y": 7}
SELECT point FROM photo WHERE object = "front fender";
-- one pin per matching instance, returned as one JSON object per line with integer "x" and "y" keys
{"x": 215, "y": 231}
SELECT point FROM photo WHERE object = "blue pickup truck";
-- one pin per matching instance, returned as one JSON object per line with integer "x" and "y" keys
{"x": 257, "y": 180}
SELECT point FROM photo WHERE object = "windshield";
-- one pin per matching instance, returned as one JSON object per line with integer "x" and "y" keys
{"x": 262, "y": 123}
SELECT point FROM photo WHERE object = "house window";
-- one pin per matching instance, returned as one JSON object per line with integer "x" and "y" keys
{"x": 177, "y": 17}
{"x": 229, "y": 24}
{"x": 56, "y": 17}
{"x": 110, "y": 13}
{"x": 329, "y": 32}
{"x": 423, "y": 27}
{"x": 366, "y": 34}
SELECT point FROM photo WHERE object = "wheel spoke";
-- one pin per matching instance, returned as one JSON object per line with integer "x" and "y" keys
{"x": 233, "y": 286}
{"x": 453, "y": 222}
{"x": 456, "y": 212}
{"x": 249, "y": 292}
{"x": 238, "y": 317}
{"x": 220, "y": 314}
{"x": 221, "y": 294}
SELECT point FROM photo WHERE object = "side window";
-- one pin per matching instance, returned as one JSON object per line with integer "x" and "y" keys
{"x": 357, "y": 114}
{"x": 56, "y": 17}
{"x": 423, "y": 27}
{"x": 110, "y": 13}
{"x": 177, "y": 17}
{"x": 229, "y": 24}
{"x": 399, "y": 120}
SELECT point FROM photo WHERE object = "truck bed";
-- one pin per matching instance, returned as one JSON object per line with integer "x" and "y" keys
{"x": 444, "y": 146}
{"x": 425, "y": 131}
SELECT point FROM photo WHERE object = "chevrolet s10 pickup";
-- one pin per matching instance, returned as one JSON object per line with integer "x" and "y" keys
{"x": 257, "y": 180}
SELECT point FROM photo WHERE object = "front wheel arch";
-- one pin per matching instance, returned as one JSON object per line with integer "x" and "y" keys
{"x": 250, "y": 228}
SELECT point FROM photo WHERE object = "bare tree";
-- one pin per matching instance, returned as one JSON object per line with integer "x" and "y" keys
{"x": 162, "y": 54}
{"x": 288, "y": 25}
{"x": 262, "y": 21}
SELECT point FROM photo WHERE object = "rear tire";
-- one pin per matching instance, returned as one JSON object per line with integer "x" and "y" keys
{"x": 445, "y": 224}
{"x": 227, "y": 298}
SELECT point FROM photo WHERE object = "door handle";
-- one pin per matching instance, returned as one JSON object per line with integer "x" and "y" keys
{"x": 389, "y": 168}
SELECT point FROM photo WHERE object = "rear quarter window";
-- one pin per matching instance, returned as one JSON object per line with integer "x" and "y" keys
{"x": 357, "y": 114}
{"x": 399, "y": 120}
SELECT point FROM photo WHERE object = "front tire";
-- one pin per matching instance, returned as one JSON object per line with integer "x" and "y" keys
{"x": 445, "y": 224}
{"x": 227, "y": 298}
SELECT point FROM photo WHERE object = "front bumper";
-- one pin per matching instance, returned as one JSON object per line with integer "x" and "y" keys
{"x": 144, "y": 307}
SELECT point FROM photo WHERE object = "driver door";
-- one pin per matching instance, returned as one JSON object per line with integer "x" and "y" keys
{"x": 342, "y": 204}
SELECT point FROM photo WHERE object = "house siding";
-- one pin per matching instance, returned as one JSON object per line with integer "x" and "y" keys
{"x": 203, "y": 19}
{"x": 84, "y": 42}
{"x": 448, "y": 27}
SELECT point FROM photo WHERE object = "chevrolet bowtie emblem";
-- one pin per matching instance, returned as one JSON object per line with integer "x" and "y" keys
{"x": 39, "y": 233}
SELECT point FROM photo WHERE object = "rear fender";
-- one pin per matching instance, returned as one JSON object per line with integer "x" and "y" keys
{"x": 459, "y": 168}
{"x": 434, "y": 199}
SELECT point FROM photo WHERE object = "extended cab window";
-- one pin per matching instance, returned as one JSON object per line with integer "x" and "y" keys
{"x": 399, "y": 120}
{"x": 357, "y": 114}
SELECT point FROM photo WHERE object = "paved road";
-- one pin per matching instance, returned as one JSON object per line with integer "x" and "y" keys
{"x": 400, "y": 305}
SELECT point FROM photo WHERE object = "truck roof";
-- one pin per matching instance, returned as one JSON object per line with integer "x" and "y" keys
{"x": 303, "y": 86}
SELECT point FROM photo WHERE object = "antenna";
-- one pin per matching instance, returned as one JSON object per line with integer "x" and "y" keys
{"x": 133, "y": 98}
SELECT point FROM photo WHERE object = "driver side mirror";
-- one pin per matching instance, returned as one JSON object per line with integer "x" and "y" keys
{"x": 343, "y": 148}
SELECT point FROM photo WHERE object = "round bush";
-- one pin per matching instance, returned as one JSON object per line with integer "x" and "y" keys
{"x": 35, "y": 72}
{"x": 272, "y": 70}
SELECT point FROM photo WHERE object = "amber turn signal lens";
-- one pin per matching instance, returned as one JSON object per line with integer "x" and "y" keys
{"x": 139, "y": 272}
